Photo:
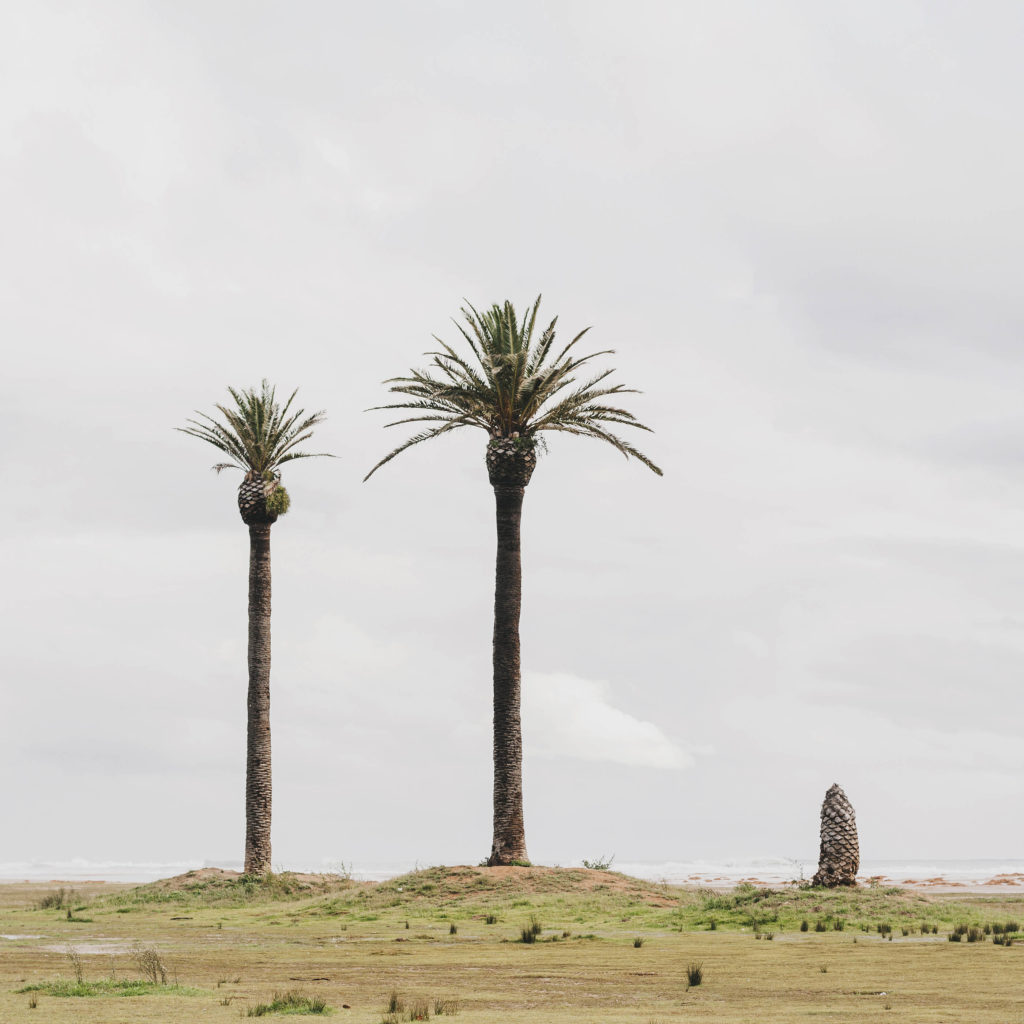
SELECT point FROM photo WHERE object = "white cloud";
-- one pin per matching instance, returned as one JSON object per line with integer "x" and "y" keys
{"x": 573, "y": 717}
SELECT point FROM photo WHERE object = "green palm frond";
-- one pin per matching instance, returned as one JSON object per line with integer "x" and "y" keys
{"x": 511, "y": 385}
{"x": 257, "y": 434}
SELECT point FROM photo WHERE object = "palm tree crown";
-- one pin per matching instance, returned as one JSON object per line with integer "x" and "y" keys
{"x": 258, "y": 434}
{"x": 519, "y": 388}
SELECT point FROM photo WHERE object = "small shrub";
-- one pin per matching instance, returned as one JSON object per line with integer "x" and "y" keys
{"x": 57, "y": 900}
{"x": 530, "y": 933}
{"x": 395, "y": 1004}
{"x": 638, "y": 942}
{"x": 838, "y": 924}
{"x": 823, "y": 968}
{"x": 804, "y": 926}
{"x": 489, "y": 919}
{"x": 33, "y": 1001}
{"x": 148, "y": 963}
{"x": 694, "y": 974}
{"x": 954, "y": 936}
{"x": 906, "y": 931}
{"x": 883, "y": 928}
{"x": 768, "y": 936}
{"x": 76, "y": 962}
{"x": 453, "y": 929}
{"x": 820, "y": 926}
{"x": 601, "y": 863}
{"x": 712, "y": 925}
{"x": 975, "y": 934}
{"x": 1011, "y": 927}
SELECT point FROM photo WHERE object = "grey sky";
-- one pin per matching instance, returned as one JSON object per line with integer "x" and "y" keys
{"x": 799, "y": 225}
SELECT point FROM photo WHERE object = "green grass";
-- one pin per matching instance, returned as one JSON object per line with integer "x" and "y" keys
{"x": 66, "y": 988}
{"x": 233, "y": 940}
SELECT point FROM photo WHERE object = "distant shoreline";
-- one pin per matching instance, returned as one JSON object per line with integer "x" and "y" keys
{"x": 994, "y": 877}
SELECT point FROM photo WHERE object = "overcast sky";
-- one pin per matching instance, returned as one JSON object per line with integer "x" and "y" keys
{"x": 800, "y": 227}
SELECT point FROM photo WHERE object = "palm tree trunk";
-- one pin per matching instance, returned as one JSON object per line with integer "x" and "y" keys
{"x": 257, "y": 767}
{"x": 509, "y": 842}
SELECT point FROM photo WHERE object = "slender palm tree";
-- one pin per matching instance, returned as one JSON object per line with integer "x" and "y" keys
{"x": 514, "y": 386}
{"x": 259, "y": 436}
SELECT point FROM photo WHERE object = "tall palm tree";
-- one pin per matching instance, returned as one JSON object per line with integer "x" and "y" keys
{"x": 514, "y": 386}
{"x": 259, "y": 436}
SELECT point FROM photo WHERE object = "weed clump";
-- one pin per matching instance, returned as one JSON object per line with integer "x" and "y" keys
{"x": 694, "y": 974}
{"x": 531, "y": 932}
{"x": 396, "y": 1011}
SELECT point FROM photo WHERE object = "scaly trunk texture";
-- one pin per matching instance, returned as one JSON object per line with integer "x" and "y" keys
{"x": 509, "y": 469}
{"x": 252, "y": 500}
{"x": 257, "y": 765}
{"x": 839, "y": 859}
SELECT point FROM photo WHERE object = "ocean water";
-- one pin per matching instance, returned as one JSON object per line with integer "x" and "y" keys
{"x": 695, "y": 872}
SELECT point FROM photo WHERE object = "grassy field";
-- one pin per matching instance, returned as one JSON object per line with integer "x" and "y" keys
{"x": 447, "y": 944}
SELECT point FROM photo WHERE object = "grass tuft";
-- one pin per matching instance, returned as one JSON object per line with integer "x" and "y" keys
{"x": 292, "y": 1002}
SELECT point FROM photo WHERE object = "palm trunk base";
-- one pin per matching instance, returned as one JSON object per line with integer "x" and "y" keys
{"x": 509, "y": 849}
